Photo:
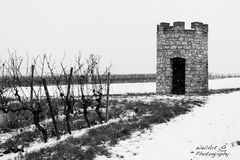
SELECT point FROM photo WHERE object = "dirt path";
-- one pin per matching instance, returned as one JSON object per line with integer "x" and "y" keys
{"x": 209, "y": 132}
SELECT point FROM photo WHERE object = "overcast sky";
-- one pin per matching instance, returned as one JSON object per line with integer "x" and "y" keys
{"x": 123, "y": 32}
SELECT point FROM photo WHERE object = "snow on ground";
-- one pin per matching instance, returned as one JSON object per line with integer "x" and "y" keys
{"x": 37, "y": 145}
{"x": 153, "y": 98}
{"x": 14, "y": 132}
{"x": 215, "y": 124}
{"x": 123, "y": 88}
{"x": 224, "y": 83}
{"x": 209, "y": 132}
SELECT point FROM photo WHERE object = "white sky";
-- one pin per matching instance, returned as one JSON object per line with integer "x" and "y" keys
{"x": 123, "y": 32}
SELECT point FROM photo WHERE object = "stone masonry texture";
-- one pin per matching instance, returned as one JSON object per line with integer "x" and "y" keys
{"x": 190, "y": 44}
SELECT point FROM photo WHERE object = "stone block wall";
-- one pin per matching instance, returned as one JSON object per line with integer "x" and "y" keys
{"x": 189, "y": 44}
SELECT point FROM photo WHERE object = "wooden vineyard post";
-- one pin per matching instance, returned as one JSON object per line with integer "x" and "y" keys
{"x": 51, "y": 109}
{"x": 31, "y": 85}
{"x": 68, "y": 106}
{"x": 108, "y": 86}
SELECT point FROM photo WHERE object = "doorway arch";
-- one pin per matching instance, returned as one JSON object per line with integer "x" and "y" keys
{"x": 178, "y": 75}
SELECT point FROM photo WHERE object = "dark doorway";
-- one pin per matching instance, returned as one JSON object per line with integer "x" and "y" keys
{"x": 178, "y": 75}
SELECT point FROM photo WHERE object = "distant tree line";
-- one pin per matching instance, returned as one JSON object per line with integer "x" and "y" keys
{"x": 114, "y": 78}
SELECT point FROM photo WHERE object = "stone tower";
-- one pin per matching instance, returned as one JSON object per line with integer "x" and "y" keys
{"x": 182, "y": 58}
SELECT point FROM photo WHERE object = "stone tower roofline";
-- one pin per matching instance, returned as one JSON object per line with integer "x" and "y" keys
{"x": 180, "y": 26}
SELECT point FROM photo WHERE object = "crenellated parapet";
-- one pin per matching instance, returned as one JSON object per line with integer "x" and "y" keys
{"x": 198, "y": 27}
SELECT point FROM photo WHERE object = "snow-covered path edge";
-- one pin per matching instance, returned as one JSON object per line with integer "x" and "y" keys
{"x": 209, "y": 132}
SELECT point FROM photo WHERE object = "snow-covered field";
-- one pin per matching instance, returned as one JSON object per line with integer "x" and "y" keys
{"x": 124, "y": 88}
{"x": 224, "y": 83}
{"x": 216, "y": 126}
{"x": 209, "y": 132}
